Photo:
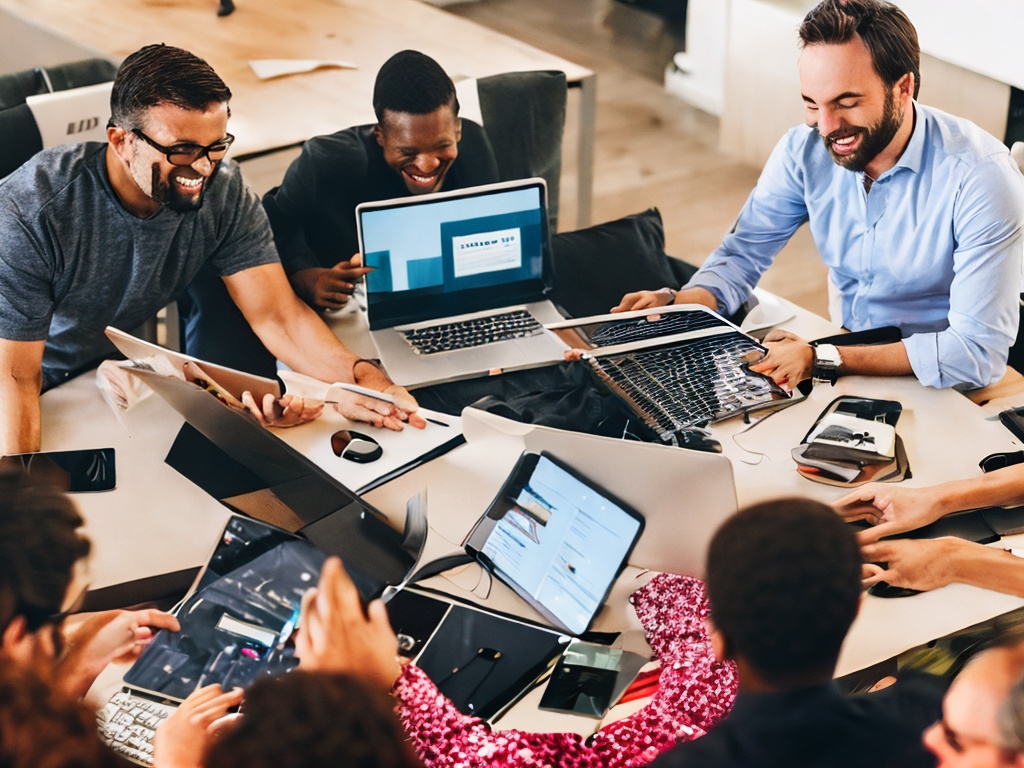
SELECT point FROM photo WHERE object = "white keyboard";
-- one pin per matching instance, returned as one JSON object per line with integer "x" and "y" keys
{"x": 128, "y": 723}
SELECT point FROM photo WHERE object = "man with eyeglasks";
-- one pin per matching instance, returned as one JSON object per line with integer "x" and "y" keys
{"x": 982, "y": 724}
{"x": 94, "y": 235}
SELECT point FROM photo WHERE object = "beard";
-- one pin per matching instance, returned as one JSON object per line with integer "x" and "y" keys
{"x": 874, "y": 138}
{"x": 166, "y": 193}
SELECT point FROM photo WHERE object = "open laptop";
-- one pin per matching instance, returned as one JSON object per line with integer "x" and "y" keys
{"x": 678, "y": 367}
{"x": 72, "y": 115}
{"x": 459, "y": 281}
{"x": 236, "y": 625}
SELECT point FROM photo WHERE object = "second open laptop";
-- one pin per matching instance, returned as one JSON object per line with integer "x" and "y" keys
{"x": 459, "y": 282}
{"x": 676, "y": 367}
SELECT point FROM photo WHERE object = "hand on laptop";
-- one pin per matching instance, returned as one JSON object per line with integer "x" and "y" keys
{"x": 665, "y": 296}
{"x": 335, "y": 635}
{"x": 287, "y": 411}
{"x": 330, "y": 288}
{"x": 789, "y": 360}
{"x": 182, "y": 738}
{"x": 101, "y": 638}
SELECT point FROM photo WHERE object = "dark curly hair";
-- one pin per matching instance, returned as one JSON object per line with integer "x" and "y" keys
{"x": 311, "y": 719}
{"x": 413, "y": 83}
{"x": 40, "y": 542}
{"x": 783, "y": 582}
{"x": 884, "y": 29}
{"x": 42, "y": 728}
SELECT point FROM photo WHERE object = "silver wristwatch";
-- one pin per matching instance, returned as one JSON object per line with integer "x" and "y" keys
{"x": 826, "y": 363}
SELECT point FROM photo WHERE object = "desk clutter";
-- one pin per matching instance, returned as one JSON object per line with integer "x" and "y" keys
{"x": 853, "y": 442}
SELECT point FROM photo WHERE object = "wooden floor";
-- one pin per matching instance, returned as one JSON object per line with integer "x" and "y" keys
{"x": 652, "y": 148}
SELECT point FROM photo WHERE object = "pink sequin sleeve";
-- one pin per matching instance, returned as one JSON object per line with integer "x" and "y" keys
{"x": 695, "y": 691}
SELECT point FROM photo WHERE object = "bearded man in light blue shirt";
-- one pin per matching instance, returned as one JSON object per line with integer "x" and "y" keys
{"x": 918, "y": 214}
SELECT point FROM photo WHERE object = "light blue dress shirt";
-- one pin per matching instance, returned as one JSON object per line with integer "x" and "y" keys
{"x": 934, "y": 248}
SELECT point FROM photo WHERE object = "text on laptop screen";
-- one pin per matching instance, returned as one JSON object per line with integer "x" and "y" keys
{"x": 561, "y": 541}
{"x": 431, "y": 256}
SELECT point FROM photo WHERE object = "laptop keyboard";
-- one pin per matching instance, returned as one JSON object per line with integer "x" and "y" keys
{"x": 128, "y": 724}
{"x": 640, "y": 328}
{"x": 473, "y": 332}
{"x": 690, "y": 383}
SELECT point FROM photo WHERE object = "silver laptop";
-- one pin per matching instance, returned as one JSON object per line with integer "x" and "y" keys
{"x": 72, "y": 115}
{"x": 459, "y": 281}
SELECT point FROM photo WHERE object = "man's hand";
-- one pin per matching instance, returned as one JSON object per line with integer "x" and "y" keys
{"x": 336, "y": 636}
{"x": 920, "y": 564}
{"x": 330, "y": 288}
{"x": 888, "y": 508}
{"x": 789, "y": 360}
{"x": 182, "y": 739}
{"x": 661, "y": 297}
{"x": 288, "y": 411}
{"x": 105, "y": 637}
{"x": 380, "y": 413}
{"x": 643, "y": 300}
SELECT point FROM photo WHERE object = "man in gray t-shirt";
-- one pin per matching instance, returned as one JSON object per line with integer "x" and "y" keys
{"x": 105, "y": 234}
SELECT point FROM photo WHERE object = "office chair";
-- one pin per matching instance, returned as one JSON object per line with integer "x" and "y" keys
{"x": 524, "y": 118}
{"x": 19, "y": 136}
{"x": 15, "y": 87}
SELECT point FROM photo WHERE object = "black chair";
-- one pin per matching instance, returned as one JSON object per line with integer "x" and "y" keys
{"x": 19, "y": 137}
{"x": 524, "y": 118}
{"x": 15, "y": 87}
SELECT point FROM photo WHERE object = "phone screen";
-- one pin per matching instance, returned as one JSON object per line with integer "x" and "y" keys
{"x": 89, "y": 469}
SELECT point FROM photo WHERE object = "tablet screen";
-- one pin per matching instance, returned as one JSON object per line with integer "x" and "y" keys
{"x": 557, "y": 539}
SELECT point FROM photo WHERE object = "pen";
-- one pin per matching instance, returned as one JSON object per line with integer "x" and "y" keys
{"x": 374, "y": 394}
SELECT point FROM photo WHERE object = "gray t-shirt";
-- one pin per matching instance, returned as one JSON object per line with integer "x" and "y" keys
{"x": 73, "y": 260}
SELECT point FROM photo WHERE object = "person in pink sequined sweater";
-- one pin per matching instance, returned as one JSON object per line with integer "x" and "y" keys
{"x": 695, "y": 690}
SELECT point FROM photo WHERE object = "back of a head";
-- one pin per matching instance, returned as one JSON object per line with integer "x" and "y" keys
{"x": 40, "y": 542}
{"x": 783, "y": 583}
{"x": 312, "y": 719}
{"x": 413, "y": 83}
{"x": 884, "y": 29}
{"x": 40, "y": 727}
{"x": 163, "y": 74}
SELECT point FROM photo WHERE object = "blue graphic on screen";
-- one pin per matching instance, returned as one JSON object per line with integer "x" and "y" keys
{"x": 455, "y": 244}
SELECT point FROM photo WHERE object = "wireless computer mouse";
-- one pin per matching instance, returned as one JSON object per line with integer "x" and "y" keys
{"x": 882, "y": 589}
{"x": 697, "y": 441}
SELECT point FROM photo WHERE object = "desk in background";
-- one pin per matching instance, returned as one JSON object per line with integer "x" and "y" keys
{"x": 283, "y": 112}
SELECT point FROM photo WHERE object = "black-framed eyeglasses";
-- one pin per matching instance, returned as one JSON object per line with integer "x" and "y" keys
{"x": 187, "y": 154}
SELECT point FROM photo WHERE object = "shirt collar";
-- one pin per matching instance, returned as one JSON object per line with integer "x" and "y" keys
{"x": 913, "y": 156}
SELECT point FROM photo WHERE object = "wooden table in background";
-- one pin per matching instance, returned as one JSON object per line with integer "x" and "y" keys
{"x": 285, "y": 111}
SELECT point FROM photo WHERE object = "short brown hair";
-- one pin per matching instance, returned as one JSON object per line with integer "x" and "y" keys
{"x": 884, "y": 29}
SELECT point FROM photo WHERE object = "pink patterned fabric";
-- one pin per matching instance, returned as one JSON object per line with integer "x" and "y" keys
{"x": 695, "y": 692}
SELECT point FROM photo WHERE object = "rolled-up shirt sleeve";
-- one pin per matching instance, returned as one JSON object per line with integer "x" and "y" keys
{"x": 774, "y": 210}
{"x": 984, "y": 297}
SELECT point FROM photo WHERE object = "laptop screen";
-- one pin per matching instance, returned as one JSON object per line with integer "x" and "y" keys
{"x": 238, "y": 623}
{"x": 454, "y": 252}
{"x": 557, "y": 539}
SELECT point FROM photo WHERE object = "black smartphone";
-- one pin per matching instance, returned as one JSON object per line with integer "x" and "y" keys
{"x": 89, "y": 469}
